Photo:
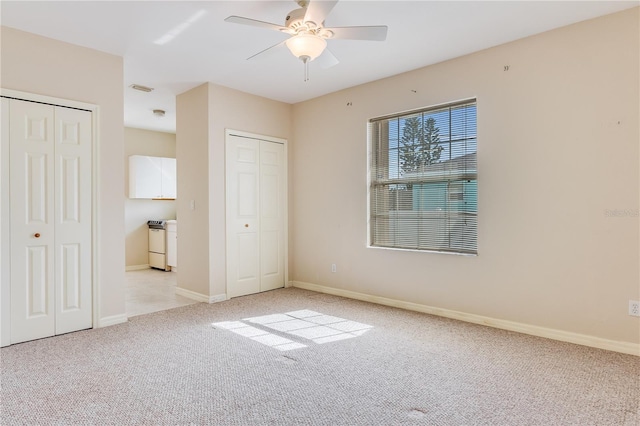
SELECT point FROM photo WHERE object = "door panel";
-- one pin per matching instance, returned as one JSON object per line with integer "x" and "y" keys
{"x": 32, "y": 228}
{"x": 247, "y": 152}
{"x": 69, "y": 189}
{"x": 242, "y": 186}
{"x": 270, "y": 201}
{"x": 37, "y": 283}
{"x": 73, "y": 282}
{"x": 70, "y": 133}
{"x": 71, "y": 271}
{"x": 38, "y": 124}
{"x": 36, "y": 181}
{"x": 248, "y": 253}
{"x": 247, "y": 194}
{"x": 272, "y": 187}
{"x": 270, "y": 254}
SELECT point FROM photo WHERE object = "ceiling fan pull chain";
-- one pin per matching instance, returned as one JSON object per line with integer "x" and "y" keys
{"x": 305, "y": 60}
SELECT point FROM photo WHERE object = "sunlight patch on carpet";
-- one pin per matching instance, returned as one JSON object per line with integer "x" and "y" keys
{"x": 259, "y": 335}
{"x": 306, "y": 324}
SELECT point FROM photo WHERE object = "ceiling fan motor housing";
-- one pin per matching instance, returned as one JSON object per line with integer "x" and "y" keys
{"x": 296, "y": 23}
{"x": 295, "y": 19}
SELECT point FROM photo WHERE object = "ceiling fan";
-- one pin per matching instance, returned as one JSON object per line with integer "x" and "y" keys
{"x": 309, "y": 36}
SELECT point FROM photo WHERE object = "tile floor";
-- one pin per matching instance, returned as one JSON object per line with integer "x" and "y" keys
{"x": 152, "y": 290}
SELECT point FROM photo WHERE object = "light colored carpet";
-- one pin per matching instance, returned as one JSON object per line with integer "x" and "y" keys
{"x": 175, "y": 368}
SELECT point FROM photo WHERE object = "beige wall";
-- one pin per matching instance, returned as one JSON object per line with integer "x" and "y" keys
{"x": 558, "y": 145}
{"x": 200, "y": 136}
{"x": 137, "y": 211}
{"x": 39, "y": 65}
{"x": 192, "y": 148}
{"x": 232, "y": 109}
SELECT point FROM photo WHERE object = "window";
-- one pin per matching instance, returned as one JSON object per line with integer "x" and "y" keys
{"x": 423, "y": 179}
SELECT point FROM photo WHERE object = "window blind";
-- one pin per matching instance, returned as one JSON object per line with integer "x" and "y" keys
{"x": 424, "y": 179}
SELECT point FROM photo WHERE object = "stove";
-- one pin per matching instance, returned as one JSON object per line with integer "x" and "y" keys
{"x": 158, "y": 244}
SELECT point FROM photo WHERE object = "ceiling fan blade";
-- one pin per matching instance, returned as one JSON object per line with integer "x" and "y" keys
{"x": 375, "y": 33}
{"x": 317, "y": 10}
{"x": 327, "y": 59}
{"x": 256, "y": 23}
{"x": 266, "y": 51}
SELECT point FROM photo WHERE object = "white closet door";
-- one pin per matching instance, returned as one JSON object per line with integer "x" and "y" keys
{"x": 272, "y": 195}
{"x": 5, "y": 222}
{"x": 243, "y": 237}
{"x": 32, "y": 221}
{"x": 50, "y": 192}
{"x": 255, "y": 215}
{"x": 72, "y": 220}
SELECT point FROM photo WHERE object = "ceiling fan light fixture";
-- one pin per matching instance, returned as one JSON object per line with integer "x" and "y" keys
{"x": 306, "y": 46}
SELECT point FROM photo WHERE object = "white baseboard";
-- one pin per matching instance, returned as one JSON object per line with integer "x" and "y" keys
{"x": 549, "y": 333}
{"x": 218, "y": 298}
{"x": 201, "y": 297}
{"x": 112, "y": 320}
{"x": 137, "y": 267}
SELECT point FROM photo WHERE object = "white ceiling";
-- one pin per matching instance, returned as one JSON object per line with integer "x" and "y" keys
{"x": 420, "y": 33}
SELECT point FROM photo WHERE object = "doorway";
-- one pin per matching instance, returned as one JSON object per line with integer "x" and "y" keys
{"x": 145, "y": 152}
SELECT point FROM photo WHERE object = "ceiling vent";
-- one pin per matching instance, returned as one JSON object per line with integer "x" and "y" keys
{"x": 141, "y": 88}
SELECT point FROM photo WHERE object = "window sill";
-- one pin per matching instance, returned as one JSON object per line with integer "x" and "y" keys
{"x": 423, "y": 251}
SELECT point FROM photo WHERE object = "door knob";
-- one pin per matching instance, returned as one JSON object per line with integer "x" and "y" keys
{"x": 246, "y": 225}
{"x": 37, "y": 235}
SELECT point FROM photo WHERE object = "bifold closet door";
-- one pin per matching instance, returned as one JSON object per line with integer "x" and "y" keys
{"x": 72, "y": 205}
{"x": 50, "y": 202}
{"x": 255, "y": 215}
{"x": 32, "y": 221}
{"x": 271, "y": 208}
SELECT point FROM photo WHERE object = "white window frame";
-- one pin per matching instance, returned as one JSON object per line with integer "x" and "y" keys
{"x": 371, "y": 133}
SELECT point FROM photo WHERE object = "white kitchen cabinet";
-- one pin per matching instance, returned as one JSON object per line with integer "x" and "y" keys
{"x": 168, "y": 169}
{"x": 152, "y": 177}
{"x": 172, "y": 244}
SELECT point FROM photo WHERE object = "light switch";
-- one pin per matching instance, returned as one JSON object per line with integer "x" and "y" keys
{"x": 192, "y": 204}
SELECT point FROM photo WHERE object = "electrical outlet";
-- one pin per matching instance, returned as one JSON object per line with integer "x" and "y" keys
{"x": 634, "y": 308}
{"x": 333, "y": 267}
